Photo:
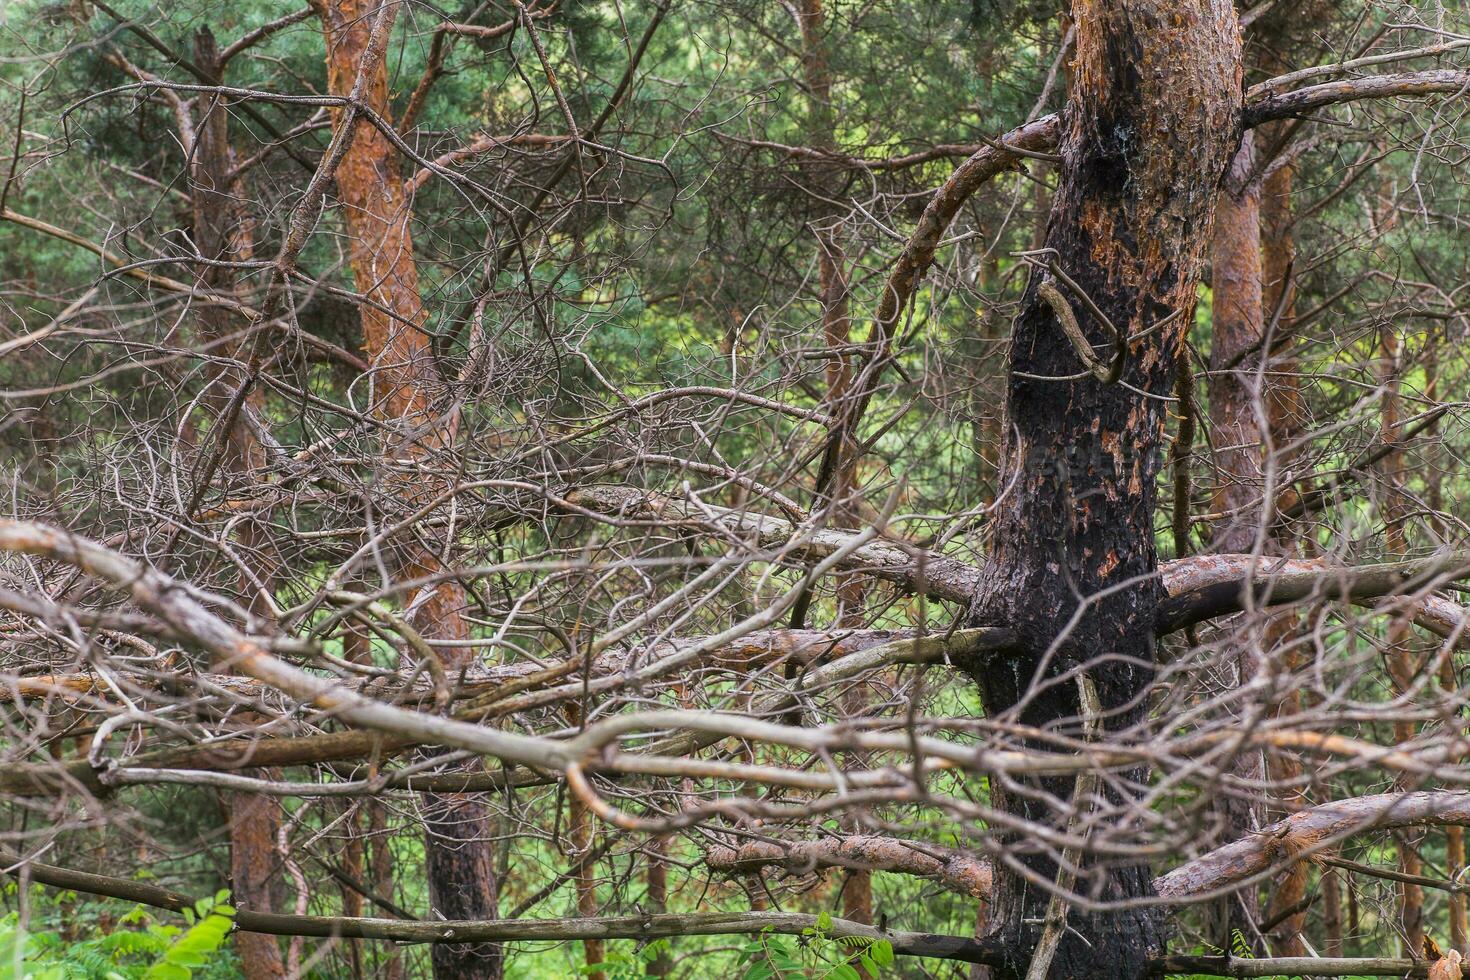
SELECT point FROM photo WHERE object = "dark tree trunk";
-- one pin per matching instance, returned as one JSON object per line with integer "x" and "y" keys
{"x": 1150, "y": 127}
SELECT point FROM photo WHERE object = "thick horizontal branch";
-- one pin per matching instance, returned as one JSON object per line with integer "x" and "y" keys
{"x": 957, "y": 870}
{"x": 1298, "y": 837}
{"x": 1200, "y": 588}
{"x": 503, "y": 930}
{"x": 1208, "y": 586}
{"x": 1289, "y": 966}
{"x": 1302, "y": 834}
{"x": 1279, "y": 105}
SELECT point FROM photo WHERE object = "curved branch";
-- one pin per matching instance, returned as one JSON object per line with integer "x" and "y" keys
{"x": 1040, "y": 136}
{"x": 995, "y": 158}
{"x": 1209, "y": 586}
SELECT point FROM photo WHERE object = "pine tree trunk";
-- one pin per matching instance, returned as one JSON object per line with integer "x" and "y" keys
{"x": 832, "y": 287}
{"x": 1236, "y": 415}
{"x": 657, "y": 898}
{"x": 1286, "y": 415}
{"x": 405, "y": 394}
{"x": 1151, "y": 124}
{"x": 223, "y": 233}
{"x": 579, "y": 833}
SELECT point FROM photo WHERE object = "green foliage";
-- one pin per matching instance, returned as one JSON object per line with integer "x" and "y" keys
{"x": 138, "y": 948}
{"x": 634, "y": 964}
{"x": 210, "y": 921}
{"x": 814, "y": 955}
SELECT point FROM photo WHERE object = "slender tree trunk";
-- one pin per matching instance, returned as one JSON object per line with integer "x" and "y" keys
{"x": 1148, "y": 132}
{"x": 1331, "y": 903}
{"x": 1402, "y": 663}
{"x": 857, "y": 885}
{"x": 1237, "y": 412}
{"x": 1236, "y": 406}
{"x": 1454, "y": 857}
{"x": 378, "y": 211}
{"x": 657, "y": 898}
{"x": 222, "y": 232}
{"x": 1286, "y": 414}
{"x": 382, "y": 881}
{"x": 579, "y": 832}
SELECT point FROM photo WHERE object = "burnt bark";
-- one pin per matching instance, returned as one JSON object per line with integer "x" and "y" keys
{"x": 1151, "y": 124}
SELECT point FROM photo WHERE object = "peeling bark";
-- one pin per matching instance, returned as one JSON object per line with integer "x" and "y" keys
{"x": 1287, "y": 418}
{"x": 408, "y": 394}
{"x": 1236, "y": 414}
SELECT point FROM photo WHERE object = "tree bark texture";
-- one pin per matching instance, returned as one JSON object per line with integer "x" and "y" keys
{"x": 378, "y": 211}
{"x": 223, "y": 233}
{"x": 1237, "y": 412}
{"x": 1287, "y": 419}
{"x": 1151, "y": 125}
{"x": 580, "y": 836}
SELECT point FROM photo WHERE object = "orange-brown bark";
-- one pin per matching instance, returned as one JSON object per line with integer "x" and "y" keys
{"x": 406, "y": 390}
{"x": 1236, "y": 405}
{"x": 1236, "y": 411}
{"x": 1402, "y": 665}
{"x": 657, "y": 897}
{"x": 1454, "y": 836}
{"x": 579, "y": 827}
{"x": 1286, "y": 419}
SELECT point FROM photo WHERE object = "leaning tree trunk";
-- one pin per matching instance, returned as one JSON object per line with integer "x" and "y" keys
{"x": 459, "y": 856}
{"x": 1150, "y": 127}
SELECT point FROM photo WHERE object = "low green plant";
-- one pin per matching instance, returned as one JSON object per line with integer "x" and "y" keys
{"x": 813, "y": 955}
{"x": 137, "y": 948}
{"x": 634, "y": 964}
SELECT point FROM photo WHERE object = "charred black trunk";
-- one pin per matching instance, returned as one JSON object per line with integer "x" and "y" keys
{"x": 1149, "y": 130}
{"x": 459, "y": 859}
